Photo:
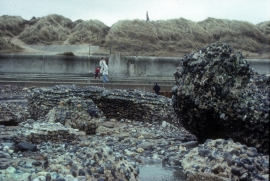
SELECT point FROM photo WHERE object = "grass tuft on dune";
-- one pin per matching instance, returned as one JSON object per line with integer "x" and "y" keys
{"x": 174, "y": 37}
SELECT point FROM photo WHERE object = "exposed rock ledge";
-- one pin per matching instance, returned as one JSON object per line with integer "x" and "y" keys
{"x": 72, "y": 105}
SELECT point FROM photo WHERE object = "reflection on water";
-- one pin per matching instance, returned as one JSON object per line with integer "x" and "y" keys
{"x": 159, "y": 173}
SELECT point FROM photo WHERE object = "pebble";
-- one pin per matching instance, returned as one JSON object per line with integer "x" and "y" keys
{"x": 145, "y": 151}
{"x": 225, "y": 162}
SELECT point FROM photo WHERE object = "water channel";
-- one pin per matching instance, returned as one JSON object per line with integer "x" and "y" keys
{"x": 160, "y": 173}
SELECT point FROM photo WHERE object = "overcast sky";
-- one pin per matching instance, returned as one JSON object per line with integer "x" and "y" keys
{"x": 111, "y": 11}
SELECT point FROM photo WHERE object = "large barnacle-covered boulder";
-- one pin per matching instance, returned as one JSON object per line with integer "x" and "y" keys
{"x": 217, "y": 95}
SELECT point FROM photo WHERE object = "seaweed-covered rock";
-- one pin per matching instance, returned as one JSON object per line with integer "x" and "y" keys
{"x": 217, "y": 95}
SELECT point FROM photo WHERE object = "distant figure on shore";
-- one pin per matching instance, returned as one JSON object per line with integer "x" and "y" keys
{"x": 147, "y": 17}
{"x": 156, "y": 88}
{"x": 103, "y": 69}
{"x": 97, "y": 70}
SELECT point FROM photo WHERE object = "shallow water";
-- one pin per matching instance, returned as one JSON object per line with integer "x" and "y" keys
{"x": 159, "y": 173}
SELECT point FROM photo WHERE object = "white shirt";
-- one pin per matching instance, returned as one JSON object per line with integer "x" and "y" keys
{"x": 104, "y": 67}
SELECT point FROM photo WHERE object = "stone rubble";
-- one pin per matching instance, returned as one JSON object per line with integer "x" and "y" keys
{"x": 225, "y": 160}
{"x": 60, "y": 134}
{"x": 137, "y": 143}
{"x": 13, "y": 104}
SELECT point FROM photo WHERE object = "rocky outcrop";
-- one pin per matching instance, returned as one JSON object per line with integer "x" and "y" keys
{"x": 13, "y": 104}
{"x": 14, "y": 92}
{"x": 40, "y": 131}
{"x": 79, "y": 106}
{"x": 217, "y": 95}
{"x": 13, "y": 112}
{"x": 75, "y": 117}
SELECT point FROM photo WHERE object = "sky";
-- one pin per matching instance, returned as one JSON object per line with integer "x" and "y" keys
{"x": 112, "y": 11}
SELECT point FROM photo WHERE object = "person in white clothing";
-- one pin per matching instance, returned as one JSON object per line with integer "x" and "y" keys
{"x": 104, "y": 70}
{"x": 102, "y": 62}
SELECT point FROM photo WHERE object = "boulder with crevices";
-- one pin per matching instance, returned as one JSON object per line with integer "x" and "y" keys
{"x": 217, "y": 95}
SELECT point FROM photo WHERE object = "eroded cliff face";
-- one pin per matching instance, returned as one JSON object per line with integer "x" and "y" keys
{"x": 217, "y": 95}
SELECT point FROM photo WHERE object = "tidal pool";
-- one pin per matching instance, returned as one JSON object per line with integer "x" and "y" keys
{"x": 160, "y": 173}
